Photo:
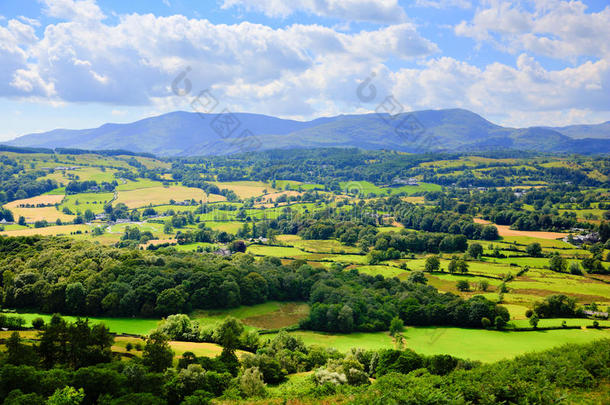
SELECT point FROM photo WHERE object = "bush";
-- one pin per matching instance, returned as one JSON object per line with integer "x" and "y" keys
{"x": 269, "y": 367}
{"x": 396, "y": 326}
{"x": 575, "y": 269}
{"x": 251, "y": 383}
{"x": 462, "y": 285}
{"x": 483, "y": 285}
{"x": 38, "y": 323}
{"x": 323, "y": 377}
{"x": 534, "y": 320}
{"x": 500, "y": 322}
{"x": 441, "y": 364}
{"x": 398, "y": 361}
{"x": 534, "y": 249}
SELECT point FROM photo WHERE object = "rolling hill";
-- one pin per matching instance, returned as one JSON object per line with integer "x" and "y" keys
{"x": 186, "y": 134}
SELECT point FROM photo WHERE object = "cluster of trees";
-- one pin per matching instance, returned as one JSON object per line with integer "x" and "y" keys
{"x": 193, "y": 179}
{"x": 349, "y": 232}
{"x": 16, "y": 183}
{"x": 556, "y": 306}
{"x": 118, "y": 211}
{"x": 532, "y": 221}
{"x": 349, "y": 301}
{"x": 6, "y": 214}
{"x": 435, "y": 220}
{"x": 203, "y": 234}
{"x": 349, "y": 224}
{"x": 133, "y": 233}
{"x": 392, "y": 244}
{"x": 75, "y": 186}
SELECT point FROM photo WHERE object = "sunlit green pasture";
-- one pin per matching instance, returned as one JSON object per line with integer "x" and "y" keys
{"x": 474, "y": 344}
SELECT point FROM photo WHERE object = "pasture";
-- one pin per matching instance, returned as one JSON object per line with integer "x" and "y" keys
{"x": 136, "y": 326}
{"x": 270, "y": 315}
{"x": 474, "y": 344}
{"x": 365, "y": 188}
{"x": 86, "y": 201}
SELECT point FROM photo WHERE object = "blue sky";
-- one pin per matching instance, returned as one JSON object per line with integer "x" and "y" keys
{"x": 81, "y": 63}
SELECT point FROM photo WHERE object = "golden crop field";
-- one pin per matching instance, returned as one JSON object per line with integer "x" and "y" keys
{"x": 246, "y": 189}
{"x": 33, "y": 214}
{"x": 47, "y": 231}
{"x": 158, "y": 195}
{"x": 41, "y": 199}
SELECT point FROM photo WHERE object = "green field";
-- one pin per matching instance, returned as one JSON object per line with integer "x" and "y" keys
{"x": 270, "y": 315}
{"x": 366, "y": 188}
{"x": 86, "y": 201}
{"x": 474, "y": 344}
{"x": 386, "y": 271}
{"x": 230, "y": 227}
{"x": 295, "y": 185}
{"x": 136, "y": 326}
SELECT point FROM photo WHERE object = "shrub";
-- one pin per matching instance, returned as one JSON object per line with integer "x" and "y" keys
{"x": 38, "y": 323}
{"x": 398, "y": 361}
{"x": 323, "y": 377}
{"x": 251, "y": 383}
{"x": 463, "y": 285}
{"x": 500, "y": 322}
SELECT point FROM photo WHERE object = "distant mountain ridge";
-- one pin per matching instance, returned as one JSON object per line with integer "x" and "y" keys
{"x": 188, "y": 134}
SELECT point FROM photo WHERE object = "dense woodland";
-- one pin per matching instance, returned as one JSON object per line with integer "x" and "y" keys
{"x": 65, "y": 276}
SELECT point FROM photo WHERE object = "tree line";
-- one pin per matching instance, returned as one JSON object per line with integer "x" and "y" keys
{"x": 81, "y": 278}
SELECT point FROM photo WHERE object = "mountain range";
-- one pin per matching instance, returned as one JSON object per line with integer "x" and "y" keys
{"x": 188, "y": 134}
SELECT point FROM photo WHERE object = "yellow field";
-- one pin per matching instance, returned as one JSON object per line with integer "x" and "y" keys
{"x": 50, "y": 214}
{"x": 48, "y": 231}
{"x": 504, "y": 230}
{"x": 41, "y": 199}
{"x": 211, "y": 198}
{"x": 198, "y": 348}
{"x": 414, "y": 200}
{"x": 158, "y": 196}
{"x": 246, "y": 189}
{"x": 36, "y": 214}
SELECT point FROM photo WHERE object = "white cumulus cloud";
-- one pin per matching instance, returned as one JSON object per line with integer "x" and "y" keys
{"x": 555, "y": 28}
{"x": 382, "y": 11}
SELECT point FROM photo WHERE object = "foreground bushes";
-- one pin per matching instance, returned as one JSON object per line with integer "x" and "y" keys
{"x": 29, "y": 374}
{"x": 540, "y": 378}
